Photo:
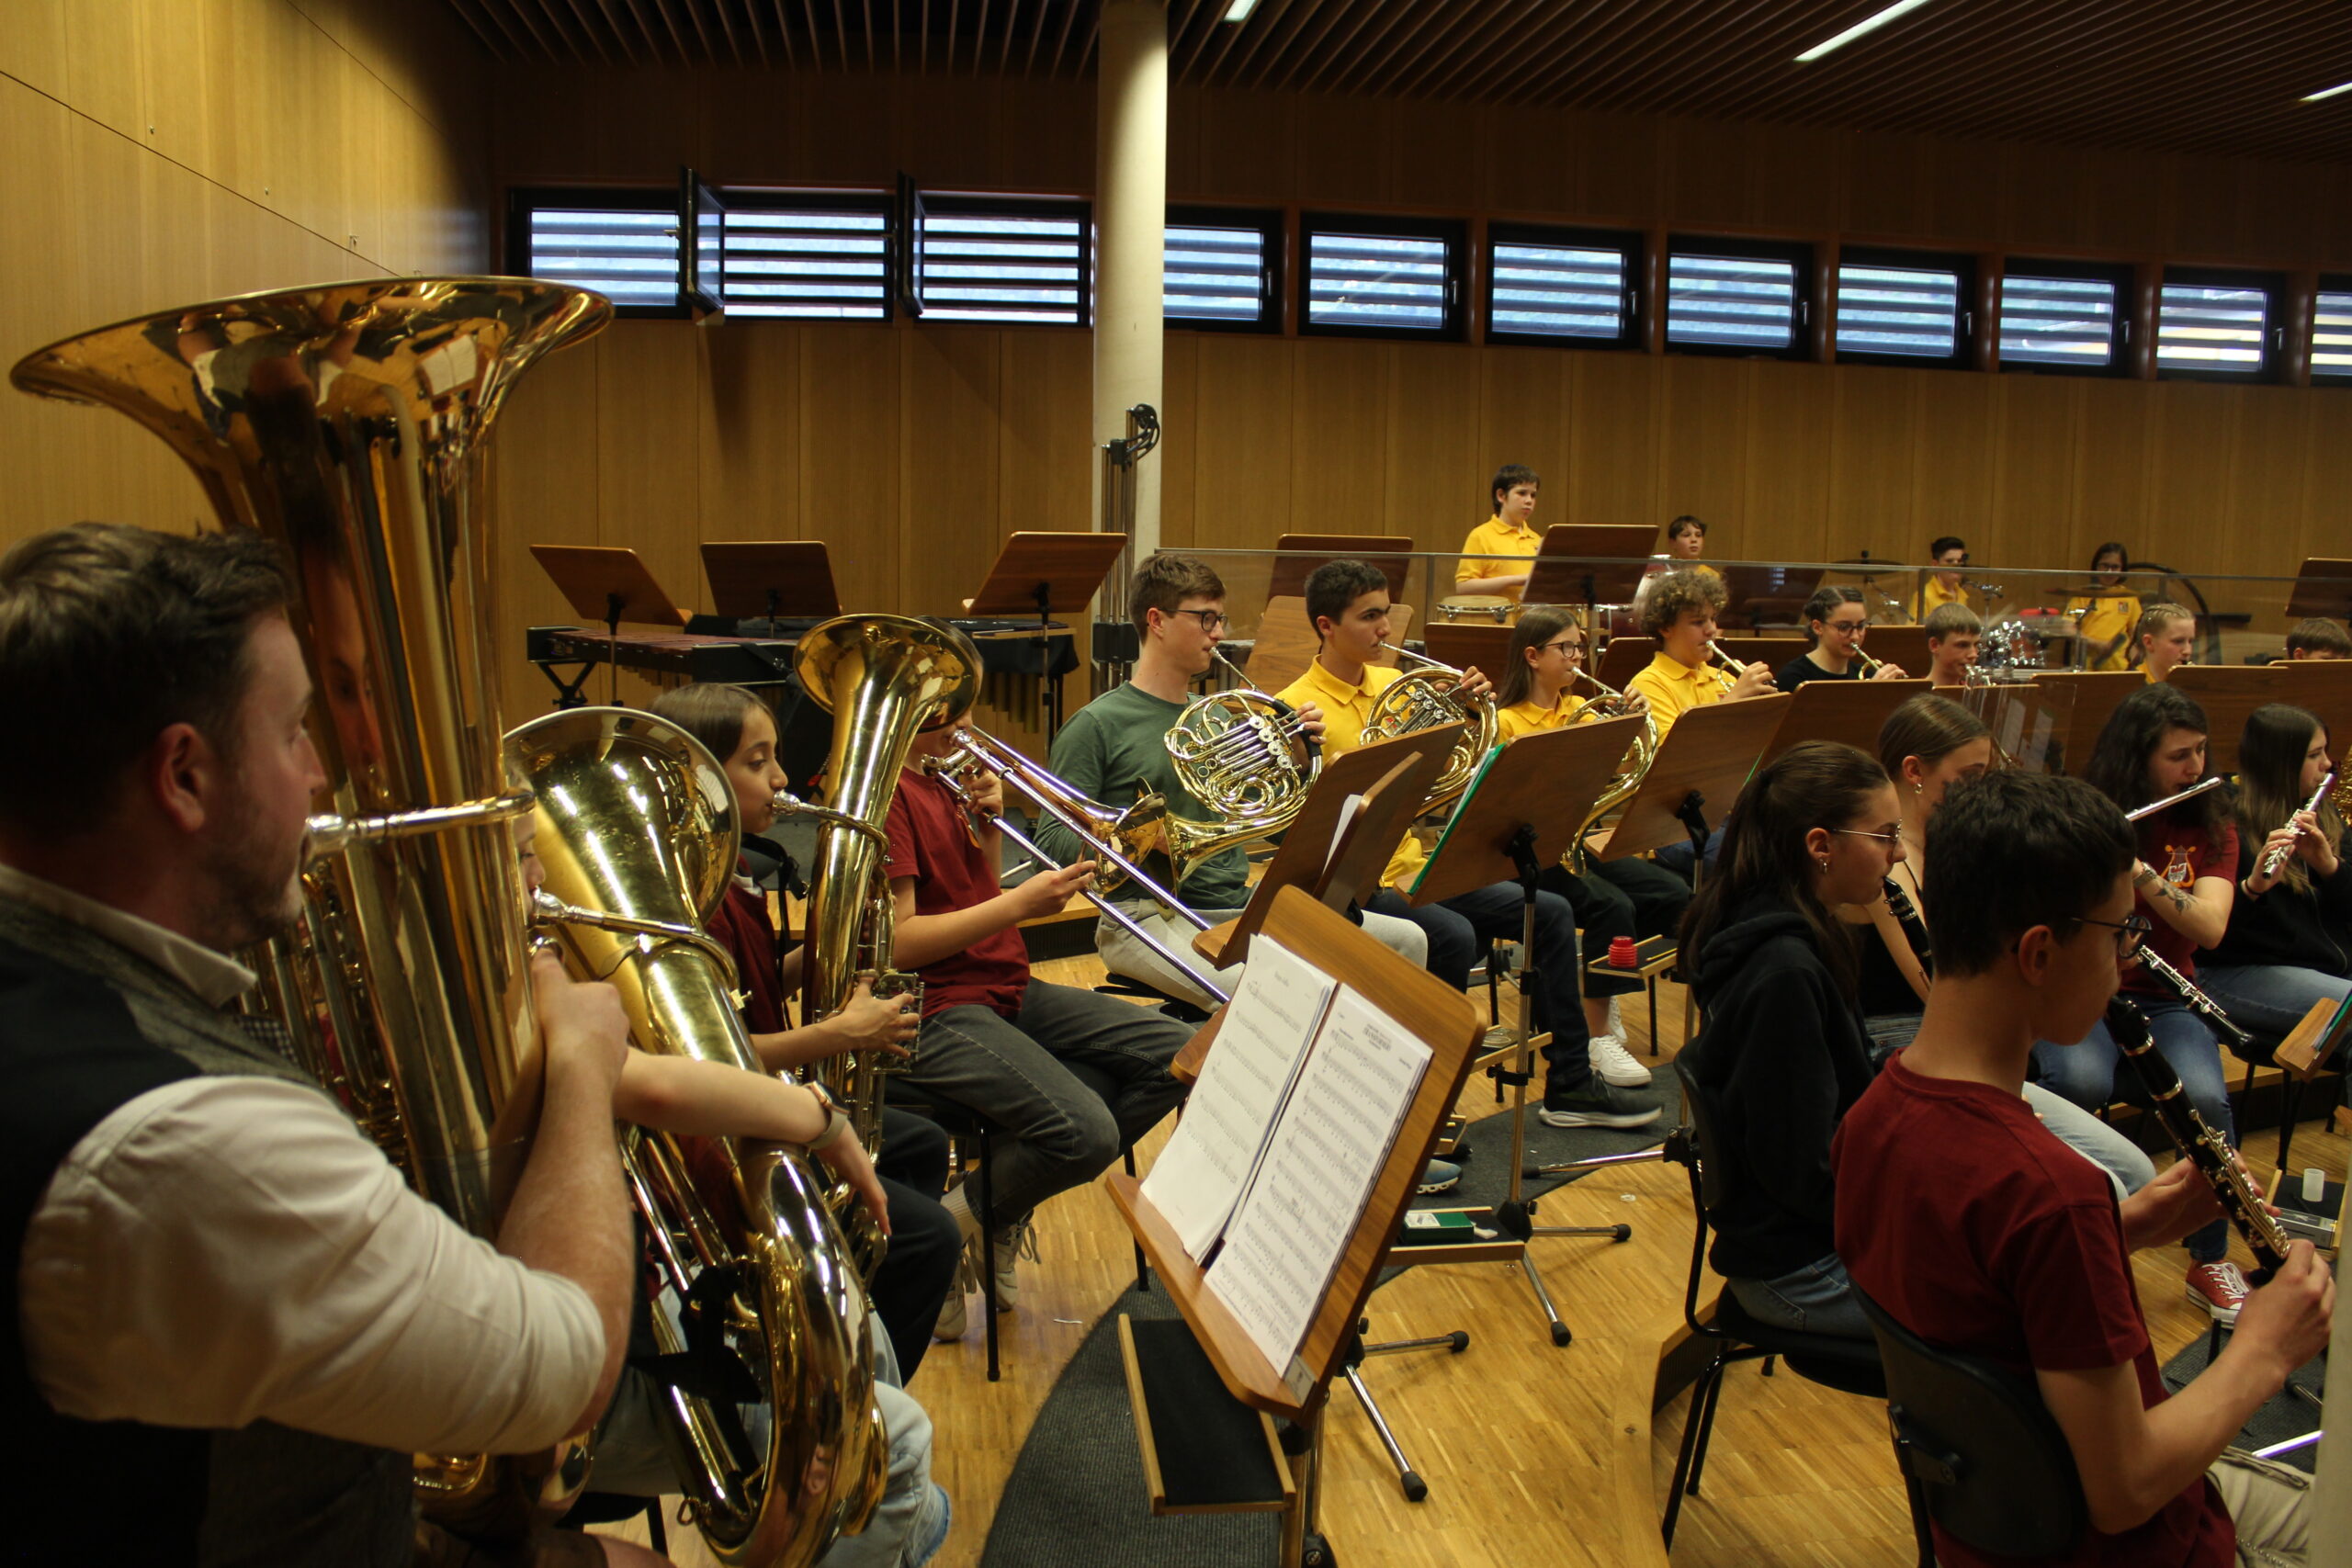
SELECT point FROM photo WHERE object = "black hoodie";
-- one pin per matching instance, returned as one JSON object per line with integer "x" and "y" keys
{"x": 1783, "y": 1056}
{"x": 2304, "y": 930}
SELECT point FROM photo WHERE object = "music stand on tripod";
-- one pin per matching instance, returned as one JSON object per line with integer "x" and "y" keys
{"x": 1520, "y": 815}
{"x": 605, "y": 583}
{"x": 1590, "y": 564}
{"x": 770, "y": 579}
{"x": 1045, "y": 575}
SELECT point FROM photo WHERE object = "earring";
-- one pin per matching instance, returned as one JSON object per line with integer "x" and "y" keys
{"x": 1825, "y": 864}
{"x": 1919, "y": 788}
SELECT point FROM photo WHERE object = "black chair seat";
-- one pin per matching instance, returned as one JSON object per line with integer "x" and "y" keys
{"x": 1850, "y": 1366}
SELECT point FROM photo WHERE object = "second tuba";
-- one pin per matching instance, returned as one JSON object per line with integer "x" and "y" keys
{"x": 638, "y": 835}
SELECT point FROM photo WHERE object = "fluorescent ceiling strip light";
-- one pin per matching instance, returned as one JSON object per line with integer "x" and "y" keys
{"x": 2327, "y": 92}
{"x": 1867, "y": 24}
{"x": 1240, "y": 10}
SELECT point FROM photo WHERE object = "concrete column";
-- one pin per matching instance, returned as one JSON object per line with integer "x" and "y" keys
{"x": 1130, "y": 230}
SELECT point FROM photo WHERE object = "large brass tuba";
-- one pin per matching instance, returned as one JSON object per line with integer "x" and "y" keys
{"x": 638, "y": 835}
{"x": 346, "y": 422}
{"x": 884, "y": 679}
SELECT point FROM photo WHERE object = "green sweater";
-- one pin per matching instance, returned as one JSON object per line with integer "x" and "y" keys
{"x": 1114, "y": 750}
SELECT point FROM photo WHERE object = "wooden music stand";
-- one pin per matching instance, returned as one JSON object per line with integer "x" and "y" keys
{"x": 1521, "y": 813}
{"x": 2095, "y": 693}
{"x": 1752, "y": 589}
{"x": 1466, "y": 645}
{"x": 771, "y": 578}
{"x": 2323, "y": 587}
{"x": 1697, "y": 775}
{"x": 1434, "y": 1013}
{"x": 1045, "y": 575}
{"x": 1906, "y": 646}
{"x": 2228, "y": 692}
{"x": 1297, "y": 555}
{"x": 605, "y": 585}
{"x": 1845, "y": 711}
{"x": 1588, "y": 564}
{"x": 1394, "y": 777}
{"x": 2029, "y": 722}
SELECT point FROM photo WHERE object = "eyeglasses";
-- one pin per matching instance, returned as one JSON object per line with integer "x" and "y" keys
{"x": 1573, "y": 649}
{"x": 1892, "y": 836}
{"x": 1210, "y": 619}
{"x": 1848, "y": 627}
{"x": 2130, "y": 931}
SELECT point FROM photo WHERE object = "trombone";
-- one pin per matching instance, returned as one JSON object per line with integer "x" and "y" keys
{"x": 954, "y": 772}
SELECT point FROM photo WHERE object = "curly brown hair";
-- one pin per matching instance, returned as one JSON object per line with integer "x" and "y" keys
{"x": 1688, "y": 589}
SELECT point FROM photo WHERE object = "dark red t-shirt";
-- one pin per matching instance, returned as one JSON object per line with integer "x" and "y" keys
{"x": 1967, "y": 1220}
{"x": 741, "y": 924}
{"x": 2178, "y": 849}
{"x": 930, "y": 843}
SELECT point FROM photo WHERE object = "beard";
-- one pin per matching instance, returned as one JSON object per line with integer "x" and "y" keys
{"x": 255, "y": 871}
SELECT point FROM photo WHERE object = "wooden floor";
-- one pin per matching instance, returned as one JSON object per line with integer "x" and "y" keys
{"x": 1518, "y": 1440}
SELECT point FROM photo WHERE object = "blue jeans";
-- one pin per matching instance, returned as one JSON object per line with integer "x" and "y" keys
{"x": 2085, "y": 1075}
{"x": 2270, "y": 999}
{"x": 1677, "y": 858}
{"x": 1455, "y": 928}
{"x": 1816, "y": 1299}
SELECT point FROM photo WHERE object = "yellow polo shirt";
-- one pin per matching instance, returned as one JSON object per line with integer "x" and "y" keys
{"x": 1345, "y": 709}
{"x": 2108, "y": 616}
{"x": 1496, "y": 537}
{"x": 1933, "y": 596}
{"x": 1527, "y": 718}
{"x": 1674, "y": 688}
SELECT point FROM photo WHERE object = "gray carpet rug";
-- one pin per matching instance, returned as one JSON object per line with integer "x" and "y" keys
{"x": 2283, "y": 1415}
{"x": 1076, "y": 1498}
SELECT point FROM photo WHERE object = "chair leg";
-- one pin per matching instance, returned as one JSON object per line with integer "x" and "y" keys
{"x": 2291, "y": 1095}
{"x": 1920, "y": 1531}
{"x": 1706, "y": 1432}
{"x": 1143, "y": 1268}
{"x": 1699, "y": 1393}
{"x": 988, "y": 1252}
{"x": 656, "y": 1535}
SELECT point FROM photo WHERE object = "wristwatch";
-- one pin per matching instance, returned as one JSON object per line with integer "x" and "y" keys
{"x": 836, "y": 1119}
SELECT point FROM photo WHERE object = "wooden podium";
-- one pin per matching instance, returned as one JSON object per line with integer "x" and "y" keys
{"x": 1434, "y": 1013}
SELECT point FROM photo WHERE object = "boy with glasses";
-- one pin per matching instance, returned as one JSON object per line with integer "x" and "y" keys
{"x": 1965, "y": 1220}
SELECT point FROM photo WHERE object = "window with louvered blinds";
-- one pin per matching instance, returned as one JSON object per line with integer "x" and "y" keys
{"x": 2062, "y": 321}
{"x": 808, "y": 260}
{"x": 1568, "y": 285}
{"x": 1012, "y": 259}
{"x": 1723, "y": 297}
{"x": 2213, "y": 326}
{"x": 1388, "y": 278}
{"x": 1904, "y": 309}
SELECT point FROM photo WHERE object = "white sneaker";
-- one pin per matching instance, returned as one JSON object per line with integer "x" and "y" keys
{"x": 1617, "y": 1017}
{"x": 1615, "y": 1065}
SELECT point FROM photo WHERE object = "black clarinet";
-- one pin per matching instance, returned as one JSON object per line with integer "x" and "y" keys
{"x": 2198, "y": 1143}
{"x": 2196, "y": 1000}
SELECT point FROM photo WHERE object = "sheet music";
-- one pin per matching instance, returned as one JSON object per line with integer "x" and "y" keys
{"x": 1347, "y": 810}
{"x": 1206, "y": 1166}
{"x": 1327, "y": 1148}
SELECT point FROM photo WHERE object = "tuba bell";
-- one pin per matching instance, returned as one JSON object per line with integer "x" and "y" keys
{"x": 638, "y": 835}
{"x": 884, "y": 679}
{"x": 346, "y": 422}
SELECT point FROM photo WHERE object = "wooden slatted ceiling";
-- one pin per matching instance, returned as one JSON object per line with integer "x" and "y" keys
{"x": 2219, "y": 77}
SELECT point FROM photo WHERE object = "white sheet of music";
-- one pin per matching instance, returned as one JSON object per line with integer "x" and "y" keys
{"x": 1347, "y": 810}
{"x": 1206, "y": 1166}
{"x": 1327, "y": 1148}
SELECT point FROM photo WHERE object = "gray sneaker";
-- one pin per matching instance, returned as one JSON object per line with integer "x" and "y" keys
{"x": 1602, "y": 1105}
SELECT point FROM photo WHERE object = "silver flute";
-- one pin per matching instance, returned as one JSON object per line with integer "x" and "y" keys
{"x": 2172, "y": 800}
{"x": 2277, "y": 857}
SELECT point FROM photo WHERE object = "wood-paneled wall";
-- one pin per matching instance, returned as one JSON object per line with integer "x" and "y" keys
{"x": 913, "y": 450}
{"x": 162, "y": 151}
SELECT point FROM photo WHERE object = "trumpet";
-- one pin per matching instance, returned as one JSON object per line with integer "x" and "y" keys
{"x": 2277, "y": 857}
{"x": 1423, "y": 699}
{"x": 955, "y": 771}
{"x": 1729, "y": 670}
{"x": 1871, "y": 667}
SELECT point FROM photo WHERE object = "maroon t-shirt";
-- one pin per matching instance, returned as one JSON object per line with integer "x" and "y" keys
{"x": 930, "y": 843}
{"x": 740, "y": 925}
{"x": 2176, "y": 851}
{"x": 1967, "y": 1220}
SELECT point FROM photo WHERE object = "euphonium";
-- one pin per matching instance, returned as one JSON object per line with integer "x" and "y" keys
{"x": 638, "y": 835}
{"x": 884, "y": 679}
{"x": 1423, "y": 699}
{"x": 346, "y": 422}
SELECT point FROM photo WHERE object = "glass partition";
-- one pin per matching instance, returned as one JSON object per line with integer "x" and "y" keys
{"x": 2034, "y": 618}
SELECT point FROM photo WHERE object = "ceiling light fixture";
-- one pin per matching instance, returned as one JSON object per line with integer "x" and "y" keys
{"x": 2327, "y": 92}
{"x": 1240, "y": 10}
{"x": 1868, "y": 23}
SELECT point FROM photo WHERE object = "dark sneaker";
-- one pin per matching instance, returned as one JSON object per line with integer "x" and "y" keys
{"x": 1602, "y": 1105}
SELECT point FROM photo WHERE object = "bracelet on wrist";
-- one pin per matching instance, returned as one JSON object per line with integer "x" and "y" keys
{"x": 836, "y": 1123}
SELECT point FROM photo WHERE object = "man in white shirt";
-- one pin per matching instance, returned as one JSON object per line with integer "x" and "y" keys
{"x": 213, "y": 1259}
